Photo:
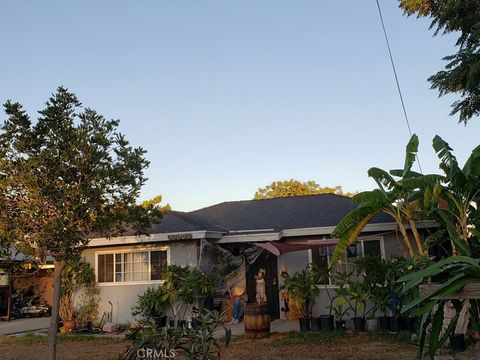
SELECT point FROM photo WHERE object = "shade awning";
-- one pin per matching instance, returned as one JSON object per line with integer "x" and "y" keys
{"x": 278, "y": 248}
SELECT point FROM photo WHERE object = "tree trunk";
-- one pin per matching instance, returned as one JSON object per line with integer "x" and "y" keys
{"x": 52, "y": 332}
{"x": 416, "y": 235}
{"x": 406, "y": 239}
{"x": 9, "y": 299}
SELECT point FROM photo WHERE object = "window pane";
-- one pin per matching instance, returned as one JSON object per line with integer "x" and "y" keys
{"x": 158, "y": 264}
{"x": 372, "y": 248}
{"x": 105, "y": 268}
{"x": 353, "y": 251}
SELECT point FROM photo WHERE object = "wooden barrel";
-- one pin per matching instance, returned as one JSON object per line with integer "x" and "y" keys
{"x": 257, "y": 321}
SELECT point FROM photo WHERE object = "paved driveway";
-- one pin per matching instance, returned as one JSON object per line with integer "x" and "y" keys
{"x": 23, "y": 325}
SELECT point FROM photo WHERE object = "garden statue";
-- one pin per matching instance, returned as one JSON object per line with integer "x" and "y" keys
{"x": 260, "y": 279}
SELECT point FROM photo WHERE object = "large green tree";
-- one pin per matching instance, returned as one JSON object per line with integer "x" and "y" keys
{"x": 461, "y": 75}
{"x": 66, "y": 176}
{"x": 295, "y": 188}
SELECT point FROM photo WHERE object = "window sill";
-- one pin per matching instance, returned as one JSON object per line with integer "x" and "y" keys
{"x": 322, "y": 287}
{"x": 126, "y": 283}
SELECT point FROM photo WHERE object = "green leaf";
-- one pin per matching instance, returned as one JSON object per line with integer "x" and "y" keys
{"x": 423, "y": 331}
{"x": 382, "y": 178}
{"x": 436, "y": 268}
{"x": 410, "y": 155}
{"x": 448, "y": 288}
{"x": 472, "y": 165}
{"x": 399, "y": 173}
{"x": 437, "y": 323}
{"x": 348, "y": 229}
{"x": 461, "y": 246}
{"x": 374, "y": 197}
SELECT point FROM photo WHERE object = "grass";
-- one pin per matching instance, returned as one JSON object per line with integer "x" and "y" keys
{"x": 294, "y": 337}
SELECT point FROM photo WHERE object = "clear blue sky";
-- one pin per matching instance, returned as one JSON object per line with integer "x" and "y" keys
{"x": 228, "y": 96}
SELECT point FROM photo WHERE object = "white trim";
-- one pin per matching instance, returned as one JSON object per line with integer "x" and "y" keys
{"x": 130, "y": 250}
{"x": 255, "y": 236}
{"x": 126, "y": 283}
{"x": 327, "y": 230}
{"x": 264, "y": 237}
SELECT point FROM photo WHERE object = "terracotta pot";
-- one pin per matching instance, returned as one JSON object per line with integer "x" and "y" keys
{"x": 69, "y": 325}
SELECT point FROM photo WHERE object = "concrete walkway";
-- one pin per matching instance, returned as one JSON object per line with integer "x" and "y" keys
{"x": 23, "y": 325}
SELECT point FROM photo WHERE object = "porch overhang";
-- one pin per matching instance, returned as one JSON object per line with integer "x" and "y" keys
{"x": 279, "y": 248}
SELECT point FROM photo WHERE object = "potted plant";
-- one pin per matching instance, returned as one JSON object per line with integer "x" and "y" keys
{"x": 379, "y": 297}
{"x": 321, "y": 276}
{"x": 303, "y": 288}
{"x": 151, "y": 305}
{"x": 67, "y": 314}
{"x": 174, "y": 295}
{"x": 77, "y": 274}
{"x": 195, "y": 290}
{"x": 340, "y": 310}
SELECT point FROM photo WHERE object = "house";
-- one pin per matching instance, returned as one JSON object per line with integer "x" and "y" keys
{"x": 279, "y": 235}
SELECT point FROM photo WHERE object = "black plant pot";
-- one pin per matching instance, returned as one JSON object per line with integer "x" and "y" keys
{"x": 160, "y": 321}
{"x": 304, "y": 324}
{"x": 326, "y": 322}
{"x": 405, "y": 323}
{"x": 457, "y": 342}
{"x": 316, "y": 324}
{"x": 359, "y": 323}
{"x": 415, "y": 322}
{"x": 341, "y": 325}
{"x": 195, "y": 323}
{"x": 394, "y": 323}
{"x": 383, "y": 323}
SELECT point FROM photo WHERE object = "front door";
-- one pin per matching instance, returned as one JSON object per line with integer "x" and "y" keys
{"x": 268, "y": 261}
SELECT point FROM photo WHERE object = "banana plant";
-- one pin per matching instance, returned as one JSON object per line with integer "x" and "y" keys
{"x": 453, "y": 203}
{"x": 400, "y": 198}
{"x": 455, "y": 272}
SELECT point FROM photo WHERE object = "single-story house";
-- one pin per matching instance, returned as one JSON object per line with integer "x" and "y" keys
{"x": 279, "y": 235}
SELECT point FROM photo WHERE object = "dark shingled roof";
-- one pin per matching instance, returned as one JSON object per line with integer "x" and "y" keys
{"x": 275, "y": 214}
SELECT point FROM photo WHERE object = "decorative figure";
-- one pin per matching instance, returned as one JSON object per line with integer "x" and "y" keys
{"x": 260, "y": 279}
{"x": 238, "y": 297}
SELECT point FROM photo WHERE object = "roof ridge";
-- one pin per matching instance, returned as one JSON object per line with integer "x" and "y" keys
{"x": 269, "y": 199}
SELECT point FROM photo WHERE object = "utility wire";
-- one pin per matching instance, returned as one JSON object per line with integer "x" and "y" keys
{"x": 396, "y": 77}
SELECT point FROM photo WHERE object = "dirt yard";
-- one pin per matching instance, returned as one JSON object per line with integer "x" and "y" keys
{"x": 293, "y": 346}
{"x": 82, "y": 348}
{"x": 286, "y": 347}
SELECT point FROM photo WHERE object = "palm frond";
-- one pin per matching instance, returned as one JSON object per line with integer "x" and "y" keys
{"x": 399, "y": 173}
{"x": 374, "y": 197}
{"x": 348, "y": 229}
{"x": 383, "y": 179}
{"x": 448, "y": 161}
{"x": 472, "y": 165}
{"x": 420, "y": 182}
{"x": 411, "y": 151}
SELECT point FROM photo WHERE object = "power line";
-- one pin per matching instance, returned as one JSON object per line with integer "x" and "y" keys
{"x": 396, "y": 77}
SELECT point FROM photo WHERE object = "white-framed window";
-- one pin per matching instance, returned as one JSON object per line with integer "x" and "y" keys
{"x": 131, "y": 266}
{"x": 362, "y": 247}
